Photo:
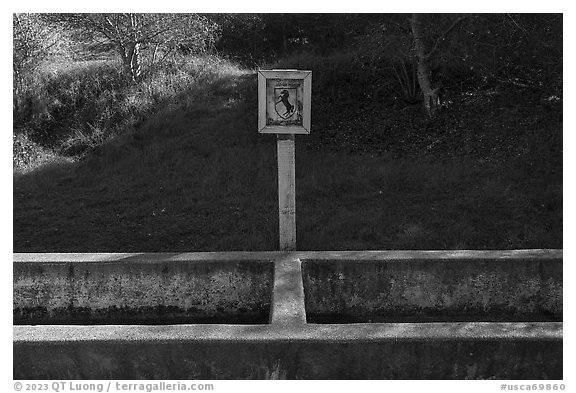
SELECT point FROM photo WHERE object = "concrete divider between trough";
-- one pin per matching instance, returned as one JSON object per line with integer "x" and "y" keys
{"x": 288, "y": 297}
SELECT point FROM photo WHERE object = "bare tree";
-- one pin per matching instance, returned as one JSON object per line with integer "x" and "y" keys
{"x": 424, "y": 56}
{"x": 33, "y": 41}
{"x": 157, "y": 34}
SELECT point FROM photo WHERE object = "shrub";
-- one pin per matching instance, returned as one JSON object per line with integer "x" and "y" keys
{"x": 70, "y": 107}
{"x": 27, "y": 155}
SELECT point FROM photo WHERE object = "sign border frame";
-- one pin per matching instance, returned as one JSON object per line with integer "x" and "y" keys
{"x": 263, "y": 76}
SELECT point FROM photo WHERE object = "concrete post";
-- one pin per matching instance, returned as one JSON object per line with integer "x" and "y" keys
{"x": 287, "y": 192}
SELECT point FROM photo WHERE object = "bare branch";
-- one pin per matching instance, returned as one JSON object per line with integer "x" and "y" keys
{"x": 159, "y": 32}
{"x": 402, "y": 28}
{"x": 517, "y": 25}
{"x": 165, "y": 55}
{"x": 443, "y": 36}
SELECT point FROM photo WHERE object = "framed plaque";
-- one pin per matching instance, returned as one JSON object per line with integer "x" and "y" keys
{"x": 284, "y": 101}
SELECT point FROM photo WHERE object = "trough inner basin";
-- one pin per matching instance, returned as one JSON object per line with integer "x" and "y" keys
{"x": 440, "y": 290}
{"x": 142, "y": 292}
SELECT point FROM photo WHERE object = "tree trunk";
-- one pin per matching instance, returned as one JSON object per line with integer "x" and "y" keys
{"x": 284, "y": 34}
{"x": 130, "y": 53}
{"x": 17, "y": 82}
{"x": 431, "y": 96}
{"x": 135, "y": 63}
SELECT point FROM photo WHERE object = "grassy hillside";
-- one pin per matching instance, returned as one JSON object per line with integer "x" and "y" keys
{"x": 191, "y": 173}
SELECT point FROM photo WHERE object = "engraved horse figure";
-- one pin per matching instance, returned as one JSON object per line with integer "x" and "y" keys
{"x": 284, "y": 100}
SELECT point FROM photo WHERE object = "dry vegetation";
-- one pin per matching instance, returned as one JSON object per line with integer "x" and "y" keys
{"x": 175, "y": 162}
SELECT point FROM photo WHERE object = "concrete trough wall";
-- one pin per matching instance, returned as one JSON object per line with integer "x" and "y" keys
{"x": 435, "y": 289}
{"x": 290, "y": 346}
{"x": 150, "y": 289}
{"x": 362, "y": 351}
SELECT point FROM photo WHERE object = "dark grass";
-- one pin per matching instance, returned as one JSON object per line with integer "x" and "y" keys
{"x": 200, "y": 178}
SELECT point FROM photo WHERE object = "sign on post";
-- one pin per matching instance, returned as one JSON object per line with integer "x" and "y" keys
{"x": 284, "y": 109}
{"x": 284, "y": 101}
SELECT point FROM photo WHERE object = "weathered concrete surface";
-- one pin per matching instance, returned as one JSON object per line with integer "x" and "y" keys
{"x": 288, "y": 298}
{"x": 151, "y": 289}
{"x": 369, "y": 255}
{"x": 364, "y": 351}
{"x": 528, "y": 331}
{"x": 534, "y": 254}
{"x": 511, "y": 288}
{"x": 288, "y": 347}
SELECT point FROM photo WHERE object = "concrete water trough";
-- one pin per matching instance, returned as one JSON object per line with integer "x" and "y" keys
{"x": 299, "y": 315}
{"x": 428, "y": 289}
{"x": 160, "y": 289}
